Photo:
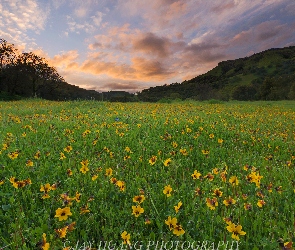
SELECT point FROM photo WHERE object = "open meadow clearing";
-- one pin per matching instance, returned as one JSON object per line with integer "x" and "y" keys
{"x": 87, "y": 172}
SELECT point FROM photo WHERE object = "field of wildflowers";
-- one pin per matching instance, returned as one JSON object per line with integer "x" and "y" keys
{"x": 96, "y": 171}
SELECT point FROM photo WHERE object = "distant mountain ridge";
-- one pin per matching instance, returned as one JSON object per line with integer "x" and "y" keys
{"x": 268, "y": 75}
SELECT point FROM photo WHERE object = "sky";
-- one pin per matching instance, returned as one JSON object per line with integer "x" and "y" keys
{"x": 130, "y": 45}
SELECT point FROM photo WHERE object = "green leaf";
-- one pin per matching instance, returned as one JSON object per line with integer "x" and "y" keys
{"x": 11, "y": 200}
{"x": 6, "y": 207}
{"x": 152, "y": 236}
{"x": 159, "y": 224}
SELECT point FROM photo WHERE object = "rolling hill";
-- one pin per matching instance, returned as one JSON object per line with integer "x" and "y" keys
{"x": 268, "y": 75}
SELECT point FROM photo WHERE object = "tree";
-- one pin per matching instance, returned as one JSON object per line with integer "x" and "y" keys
{"x": 7, "y": 57}
{"x": 25, "y": 73}
{"x": 291, "y": 94}
{"x": 37, "y": 69}
{"x": 28, "y": 75}
{"x": 244, "y": 93}
{"x": 7, "y": 53}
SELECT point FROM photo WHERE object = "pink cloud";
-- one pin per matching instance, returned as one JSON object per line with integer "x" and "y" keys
{"x": 150, "y": 43}
{"x": 221, "y": 7}
{"x": 127, "y": 86}
{"x": 263, "y": 35}
{"x": 113, "y": 69}
{"x": 149, "y": 69}
{"x": 66, "y": 59}
{"x": 140, "y": 69}
{"x": 201, "y": 54}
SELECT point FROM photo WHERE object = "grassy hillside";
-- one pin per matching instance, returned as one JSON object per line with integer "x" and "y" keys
{"x": 268, "y": 75}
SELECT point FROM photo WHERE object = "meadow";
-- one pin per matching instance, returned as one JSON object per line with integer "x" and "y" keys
{"x": 94, "y": 172}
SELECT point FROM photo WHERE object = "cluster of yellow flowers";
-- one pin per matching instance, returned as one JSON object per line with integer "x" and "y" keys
{"x": 236, "y": 230}
{"x": 19, "y": 183}
{"x": 138, "y": 210}
{"x": 174, "y": 226}
{"x": 46, "y": 188}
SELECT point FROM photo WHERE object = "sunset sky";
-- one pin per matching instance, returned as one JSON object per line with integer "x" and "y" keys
{"x": 131, "y": 45}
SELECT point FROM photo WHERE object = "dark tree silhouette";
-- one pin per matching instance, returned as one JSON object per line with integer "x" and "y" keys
{"x": 29, "y": 75}
{"x": 37, "y": 70}
{"x": 7, "y": 53}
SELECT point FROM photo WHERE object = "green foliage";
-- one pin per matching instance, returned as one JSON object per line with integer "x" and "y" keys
{"x": 165, "y": 100}
{"x": 292, "y": 92}
{"x": 244, "y": 93}
{"x": 214, "y": 101}
{"x": 217, "y": 139}
{"x": 263, "y": 76}
{"x": 277, "y": 88}
{"x": 4, "y": 96}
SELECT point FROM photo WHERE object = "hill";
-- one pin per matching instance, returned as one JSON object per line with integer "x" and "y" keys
{"x": 268, "y": 75}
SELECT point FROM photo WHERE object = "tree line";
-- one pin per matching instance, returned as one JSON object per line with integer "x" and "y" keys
{"x": 29, "y": 75}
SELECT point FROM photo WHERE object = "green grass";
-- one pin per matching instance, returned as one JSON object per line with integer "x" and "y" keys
{"x": 216, "y": 139}
{"x": 247, "y": 79}
{"x": 4, "y": 96}
{"x": 269, "y": 60}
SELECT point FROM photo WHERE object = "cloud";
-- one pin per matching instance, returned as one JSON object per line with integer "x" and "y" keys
{"x": 268, "y": 30}
{"x": 290, "y": 8}
{"x": 97, "y": 18}
{"x": 223, "y": 7}
{"x": 140, "y": 69}
{"x": 19, "y": 17}
{"x": 81, "y": 79}
{"x": 40, "y": 52}
{"x": 263, "y": 36}
{"x": 81, "y": 11}
{"x": 136, "y": 43}
{"x": 115, "y": 38}
{"x": 150, "y": 43}
{"x": 157, "y": 12}
{"x": 88, "y": 26}
{"x": 168, "y": 13}
{"x": 126, "y": 86}
{"x": 58, "y": 3}
{"x": 26, "y": 15}
{"x": 78, "y": 27}
{"x": 202, "y": 53}
{"x": 66, "y": 60}
{"x": 154, "y": 45}
{"x": 149, "y": 69}
{"x": 205, "y": 52}
{"x": 102, "y": 83}
{"x": 113, "y": 69}
{"x": 169, "y": 40}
